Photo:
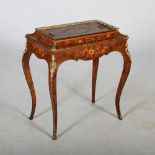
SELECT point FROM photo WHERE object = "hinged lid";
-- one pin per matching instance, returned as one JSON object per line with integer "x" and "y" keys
{"x": 72, "y": 34}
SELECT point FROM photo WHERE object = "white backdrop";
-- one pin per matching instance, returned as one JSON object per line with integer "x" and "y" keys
{"x": 78, "y": 134}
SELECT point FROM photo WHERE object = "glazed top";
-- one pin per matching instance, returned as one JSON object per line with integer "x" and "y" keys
{"x": 73, "y": 34}
{"x": 76, "y": 29}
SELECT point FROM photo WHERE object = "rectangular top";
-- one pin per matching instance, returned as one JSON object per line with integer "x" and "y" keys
{"x": 76, "y": 29}
{"x": 73, "y": 34}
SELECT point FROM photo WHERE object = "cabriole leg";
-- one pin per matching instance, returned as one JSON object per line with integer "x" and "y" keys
{"x": 124, "y": 76}
{"x": 53, "y": 67}
{"x": 27, "y": 72}
{"x": 94, "y": 77}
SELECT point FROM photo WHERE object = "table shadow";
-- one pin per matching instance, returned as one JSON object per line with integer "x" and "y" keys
{"x": 138, "y": 105}
{"x": 43, "y": 112}
{"x": 77, "y": 122}
{"x": 40, "y": 129}
{"x": 96, "y": 108}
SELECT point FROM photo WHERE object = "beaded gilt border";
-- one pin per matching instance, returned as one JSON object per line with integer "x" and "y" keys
{"x": 77, "y": 23}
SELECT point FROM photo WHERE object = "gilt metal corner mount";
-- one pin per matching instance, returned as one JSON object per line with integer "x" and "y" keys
{"x": 52, "y": 66}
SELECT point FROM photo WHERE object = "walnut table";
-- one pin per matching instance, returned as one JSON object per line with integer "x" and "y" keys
{"x": 88, "y": 40}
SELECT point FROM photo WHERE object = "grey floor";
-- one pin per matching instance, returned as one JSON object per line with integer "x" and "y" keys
{"x": 83, "y": 128}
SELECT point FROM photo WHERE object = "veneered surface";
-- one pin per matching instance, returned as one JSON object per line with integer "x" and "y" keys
{"x": 76, "y": 30}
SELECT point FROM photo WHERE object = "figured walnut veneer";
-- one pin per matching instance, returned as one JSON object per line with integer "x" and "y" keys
{"x": 88, "y": 40}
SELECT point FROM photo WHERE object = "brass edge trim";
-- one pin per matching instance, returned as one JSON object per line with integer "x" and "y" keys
{"x": 71, "y": 24}
{"x": 52, "y": 66}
